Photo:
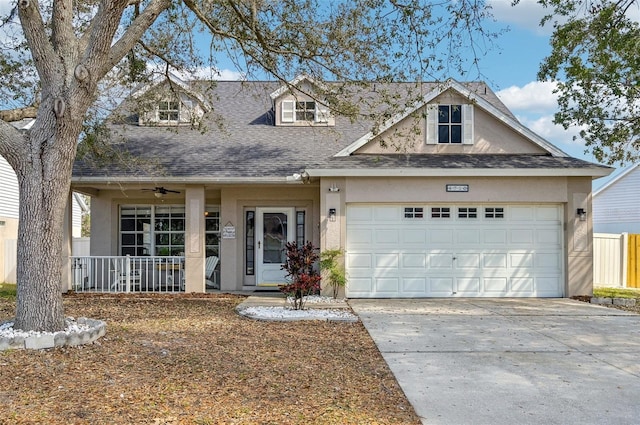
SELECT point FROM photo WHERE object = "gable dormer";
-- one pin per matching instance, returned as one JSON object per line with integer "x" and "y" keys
{"x": 296, "y": 104}
{"x": 170, "y": 103}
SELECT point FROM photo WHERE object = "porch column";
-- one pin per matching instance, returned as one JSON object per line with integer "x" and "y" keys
{"x": 194, "y": 239}
{"x": 67, "y": 239}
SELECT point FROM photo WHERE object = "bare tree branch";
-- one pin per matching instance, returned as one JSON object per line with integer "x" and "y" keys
{"x": 42, "y": 51}
{"x": 18, "y": 114}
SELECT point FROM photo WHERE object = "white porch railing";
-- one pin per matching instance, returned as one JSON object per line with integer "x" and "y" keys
{"x": 127, "y": 274}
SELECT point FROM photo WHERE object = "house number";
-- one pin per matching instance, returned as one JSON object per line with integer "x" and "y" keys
{"x": 457, "y": 188}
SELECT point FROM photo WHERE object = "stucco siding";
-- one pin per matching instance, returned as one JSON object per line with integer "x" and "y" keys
{"x": 490, "y": 135}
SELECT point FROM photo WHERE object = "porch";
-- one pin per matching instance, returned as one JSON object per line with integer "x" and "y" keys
{"x": 159, "y": 274}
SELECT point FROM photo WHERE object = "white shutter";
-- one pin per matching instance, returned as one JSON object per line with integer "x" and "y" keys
{"x": 467, "y": 124}
{"x": 288, "y": 111}
{"x": 322, "y": 113}
{"x": 431, "y": 122}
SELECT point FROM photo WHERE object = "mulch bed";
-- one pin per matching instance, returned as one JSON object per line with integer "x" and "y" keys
{"x": 193, "y": 360}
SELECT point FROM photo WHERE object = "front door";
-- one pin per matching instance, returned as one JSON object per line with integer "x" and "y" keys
{"x": 274, "y": 228}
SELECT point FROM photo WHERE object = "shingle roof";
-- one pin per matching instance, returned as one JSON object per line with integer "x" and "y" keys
{"x": 250, "y": 146}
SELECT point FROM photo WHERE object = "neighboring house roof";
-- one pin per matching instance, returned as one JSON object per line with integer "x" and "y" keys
{"x": 613, "y": 182}
{"x": 242, "y": 144}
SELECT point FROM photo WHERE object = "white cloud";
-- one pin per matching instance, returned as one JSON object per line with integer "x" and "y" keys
{"x": 535, "y": 96}
{"x": 526, "y": 14}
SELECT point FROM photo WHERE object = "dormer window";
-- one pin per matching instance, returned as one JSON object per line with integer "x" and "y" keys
{"x": 449, "y": 124}
{"x": 306, "y": 111}
{"x": 168, "y": 110}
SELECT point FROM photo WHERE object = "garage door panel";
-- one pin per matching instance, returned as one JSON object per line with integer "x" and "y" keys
{"x": 467, "y": 236}
{"x": 521, "y": 260}
{"x": 440, "y": 261}
{"x": 511, "y": 250}
{"x": 359, "y": 214}
{"x": 441, "y": 285}
{"x": 521, "y": 237}
{"x": 522, "y": 284}
{"x": 359, "y": 236}
{"x": 494, "y": 236}
{"x": 521, "y": 213}
{"x": 387, "y": 261}
{"x": 468, "y": 286}
{"x": 441, "y": 237}
{"x": 386, "y": 214}
{"x": 495, "y": 286}
{"x": 414, "y": 236}
{"x": 387, "y": 285}
{"x": 360, "y": 261}
{"x": 415, "y": 285}
{"x": 494, "y": 260}
{"x": 360, "y": 285}
{"x": 548, "y": 213}
{"x": 548, "y": 285}
{"x": 548, "y": 237}
{"x": 414, "y": 261}
{"x": 547, "y": 261}
{"x": 467, "y": 261}
{"x": 387, "y": 237}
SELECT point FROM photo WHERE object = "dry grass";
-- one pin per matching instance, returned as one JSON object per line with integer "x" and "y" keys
{"x": 186, "y": 360}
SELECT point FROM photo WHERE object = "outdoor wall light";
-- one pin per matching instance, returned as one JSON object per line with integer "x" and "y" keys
{"x": 334, "y": 188}
{"x": 332, "y": 214}
{"x": 582, "y": 214}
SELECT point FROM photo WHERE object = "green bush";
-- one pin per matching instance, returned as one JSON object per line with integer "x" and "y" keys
{"x": 332, "y": 271}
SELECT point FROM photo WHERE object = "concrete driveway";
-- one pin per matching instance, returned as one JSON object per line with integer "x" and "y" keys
{"x": 510, "y": 361}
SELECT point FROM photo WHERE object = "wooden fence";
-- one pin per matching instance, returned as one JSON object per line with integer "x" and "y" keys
{"x": 633, "y": 266}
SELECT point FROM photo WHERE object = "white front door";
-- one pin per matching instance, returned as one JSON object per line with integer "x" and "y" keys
{"x": 274, "y": 228}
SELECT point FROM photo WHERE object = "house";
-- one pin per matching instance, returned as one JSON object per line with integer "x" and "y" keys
{"x": 451, "y": 197}
{"x": 615, "y": 205}
{"x": 9, "y": 203}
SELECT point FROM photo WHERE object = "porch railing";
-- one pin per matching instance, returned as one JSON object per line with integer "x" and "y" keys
{"x": 127, "y": 274}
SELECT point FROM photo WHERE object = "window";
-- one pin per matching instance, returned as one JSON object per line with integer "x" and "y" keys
{"x": 169, "y": 231}
{"x": 168, "y": 110}
{"x": 467, "y": 212}
{"x": 492, "y": 212}
{"x": 449, "y": 124}
{"x": 135, "y": 230}
{"x": 413, "y": 212}
{"x": 440, "y": 212}
{"x": 303, "y": 111}
{"x": 149, "y": 230}
{"x": 212, "y": 231}
{"x": 300, "y": 235}
{"x": 250, "y": 232}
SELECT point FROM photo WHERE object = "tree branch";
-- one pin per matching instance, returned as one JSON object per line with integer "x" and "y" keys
{"x": 18, "y": 114}
{"x": 62, "y": 32}
{"x": 42, "y": 51}
{"x": 134, "y": 33}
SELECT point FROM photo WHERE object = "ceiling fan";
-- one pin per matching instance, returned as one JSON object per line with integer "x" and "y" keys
{"x": 160, "y": 191}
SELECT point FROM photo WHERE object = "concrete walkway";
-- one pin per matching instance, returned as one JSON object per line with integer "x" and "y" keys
{"x": 510, "y": 361}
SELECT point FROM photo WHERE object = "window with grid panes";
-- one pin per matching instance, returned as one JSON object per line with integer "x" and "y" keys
{"x": 212, "y": 231}
{"x": 465, "y": 212}
{"x": 168, "y": 110}
{"x": 494, "y": 212}
{"x": 135, "y": 230}
{"x": 440, "y": 212}
{"x": 413, "y": 212}
{"x": 450, "y": 124}
{"x": 169, "y": 225}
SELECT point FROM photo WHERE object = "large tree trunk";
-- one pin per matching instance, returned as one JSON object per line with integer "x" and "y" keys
{"x": 44, "y": 181}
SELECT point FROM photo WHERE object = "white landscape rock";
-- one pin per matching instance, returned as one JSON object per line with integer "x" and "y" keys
{"x": 76, "y": 332}
{"x": 287, "y": 313}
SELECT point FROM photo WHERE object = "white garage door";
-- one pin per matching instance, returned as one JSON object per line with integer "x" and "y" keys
{"x": 454, "y": 251}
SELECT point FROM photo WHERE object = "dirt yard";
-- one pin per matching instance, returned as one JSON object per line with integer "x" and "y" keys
{"x": 193, "y": 360}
